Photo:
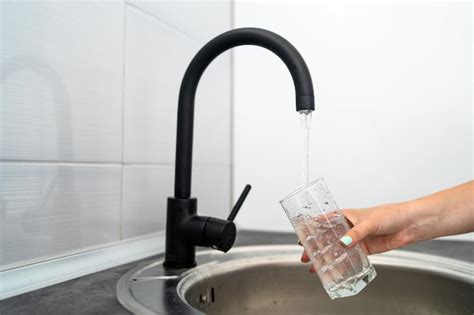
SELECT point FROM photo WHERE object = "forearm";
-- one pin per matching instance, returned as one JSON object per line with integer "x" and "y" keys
{"x": 444, "y": 213}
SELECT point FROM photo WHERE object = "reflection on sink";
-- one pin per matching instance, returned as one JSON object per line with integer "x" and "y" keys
{"x": 271, "y": 280}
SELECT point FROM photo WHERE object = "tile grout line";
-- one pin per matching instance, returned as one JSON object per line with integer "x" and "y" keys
{"x": 98, "y": 163}
{"x": 163, "y": 23}
{"x": 122, "y": 173}
{"x": 10, "y": 161}
{"x": 232, "y": 114}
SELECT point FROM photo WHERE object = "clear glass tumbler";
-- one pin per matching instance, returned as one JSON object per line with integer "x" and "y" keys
{"x": 320, "y": 224}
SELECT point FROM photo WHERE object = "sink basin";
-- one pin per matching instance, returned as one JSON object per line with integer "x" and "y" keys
{"x": 271, "y": 280}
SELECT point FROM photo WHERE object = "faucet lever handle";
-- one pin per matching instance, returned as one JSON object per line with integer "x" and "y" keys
{"x": 239, "y": 203}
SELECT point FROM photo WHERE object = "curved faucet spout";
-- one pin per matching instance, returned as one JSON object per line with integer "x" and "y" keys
{"x": 243, "y": 36}
{"x": 185, "y": 229}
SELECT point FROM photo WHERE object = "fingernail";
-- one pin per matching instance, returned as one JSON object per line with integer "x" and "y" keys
{"x": 346, "y": 240}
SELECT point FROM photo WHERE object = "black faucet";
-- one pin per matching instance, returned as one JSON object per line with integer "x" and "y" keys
{"x": 184, "y": 228}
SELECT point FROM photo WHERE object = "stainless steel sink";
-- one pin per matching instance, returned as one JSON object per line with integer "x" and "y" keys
{"x": 271, "y": 280}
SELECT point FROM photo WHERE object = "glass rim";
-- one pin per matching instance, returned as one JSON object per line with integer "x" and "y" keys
{"x": 311, "y": 183}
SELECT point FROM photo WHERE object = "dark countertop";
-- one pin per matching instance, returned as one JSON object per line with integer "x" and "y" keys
{"x": 95, "y": 293}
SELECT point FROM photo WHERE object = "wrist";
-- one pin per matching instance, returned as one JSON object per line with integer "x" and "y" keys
{"x": 422, "y": 220}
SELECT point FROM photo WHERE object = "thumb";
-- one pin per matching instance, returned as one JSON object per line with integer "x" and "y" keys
{"x": 355, "y": 235}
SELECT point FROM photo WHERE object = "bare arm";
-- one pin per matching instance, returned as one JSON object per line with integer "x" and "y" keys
{"x": 387, "y": 227}
{"x": 447, "y": 212}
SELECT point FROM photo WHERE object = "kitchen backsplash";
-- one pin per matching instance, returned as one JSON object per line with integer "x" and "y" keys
{"x": 88, "y": 121}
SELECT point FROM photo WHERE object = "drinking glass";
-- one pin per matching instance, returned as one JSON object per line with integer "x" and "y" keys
{"x": 320, "y": 224}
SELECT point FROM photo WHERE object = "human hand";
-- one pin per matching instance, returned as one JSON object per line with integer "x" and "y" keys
{"x": 387, "y": 227}
{"x": 378, "y": 229}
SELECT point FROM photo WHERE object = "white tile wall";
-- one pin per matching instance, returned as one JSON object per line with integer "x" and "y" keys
{"x": 212, "y": 117}
{"x": 393, "y": 118}
{"x": 153, "y": 73}
{"x": 47, "y": 209}
{"x": 211, "y": 188}
{"x": 88, "y": 102}
{"x": 147, "y": 187}
{"x": 200, "y": 20}
{"x": 61, "y": 81}
{"x": 154, "y": 70}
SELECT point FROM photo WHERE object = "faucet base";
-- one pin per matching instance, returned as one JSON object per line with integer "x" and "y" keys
{"x": 180, "y": 251}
